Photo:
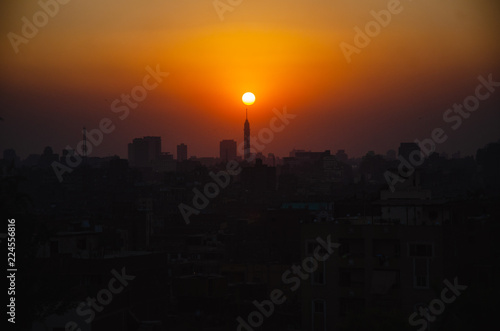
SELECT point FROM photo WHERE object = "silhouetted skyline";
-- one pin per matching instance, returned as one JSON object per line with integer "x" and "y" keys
{"x": 396, "y": 89}
{"x": 222, "y": 165}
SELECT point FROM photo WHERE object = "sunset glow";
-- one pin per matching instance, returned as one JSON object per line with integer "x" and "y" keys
{"x": 93, "y": 52}
{"x": 133, "y": 148}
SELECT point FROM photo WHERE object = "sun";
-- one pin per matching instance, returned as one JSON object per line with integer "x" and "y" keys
{"x": 248, "y": 98}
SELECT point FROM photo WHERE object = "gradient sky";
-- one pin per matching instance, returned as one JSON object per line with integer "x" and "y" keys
{"x": 284, "y": 51}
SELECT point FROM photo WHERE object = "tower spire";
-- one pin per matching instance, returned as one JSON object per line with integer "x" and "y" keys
{"x": 246, "y": 138}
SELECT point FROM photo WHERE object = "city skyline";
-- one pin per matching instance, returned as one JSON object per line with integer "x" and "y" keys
{"x": 403, "y": 149}
{"x": 395, "y": 88}
{"x": 240, "y": 152}
{"x": 391, "y": 153}
{"x": 222, "y": 165}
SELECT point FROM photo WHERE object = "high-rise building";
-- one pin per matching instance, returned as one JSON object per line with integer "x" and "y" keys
{"x": 341, "y": 155}
{"x": 246, "y": 139}
{"x": 227, "y": 150}
{"x": 154, "y": 147}
{"x": 405, "y": 149}
{"x": 182, "y": 152}
{"x": 164, "y": 163}
{"x": 142, "y": 151}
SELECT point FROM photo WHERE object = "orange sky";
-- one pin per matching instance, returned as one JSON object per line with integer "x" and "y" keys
{"x": 286, "y": 52}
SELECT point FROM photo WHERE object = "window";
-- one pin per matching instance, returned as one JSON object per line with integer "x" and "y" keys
{"x": 344, "y": 248}
{"x": 422, "y": 253}
{"x": 345, "y": 279}
{"x": 319, "y": 306}
{"x": 352, "y": 247}
{"x": 386, "y": 248}
{"x": 312, "y": 245}
{"x": 421, "y": 273}
{"x": 319, "y": 315}
{"x": 352, "y": 278}
{"x": 318, "y": 277}
{"x": 433, "y": 215}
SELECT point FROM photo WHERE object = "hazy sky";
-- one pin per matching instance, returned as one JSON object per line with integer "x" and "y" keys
{"x": 287, "y": 52}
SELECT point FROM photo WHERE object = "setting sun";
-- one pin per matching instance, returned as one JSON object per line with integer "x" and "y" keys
{"x": 248, "y": 98}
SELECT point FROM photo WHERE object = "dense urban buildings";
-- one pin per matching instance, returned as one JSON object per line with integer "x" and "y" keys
{"x": 258, "y": 230}
{"x": 227, "y": 150}
{"x": 142, "y": 151}
{"x": 365, "y": 195}
{"x": 182, "y": 154}
{"x": 206, "y": 243}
